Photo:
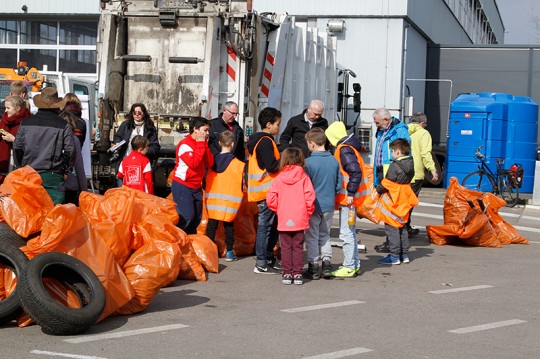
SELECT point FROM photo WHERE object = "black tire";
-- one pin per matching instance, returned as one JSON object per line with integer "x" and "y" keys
{"x": 508, "y": 191}
{"x": 14, "y": 259}
{"x": 479, "y": 181}
{"x": 8, "y": 235}
{"x": 53, "y": 317}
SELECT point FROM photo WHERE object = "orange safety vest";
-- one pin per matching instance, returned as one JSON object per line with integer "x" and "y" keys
{"x": 224, "y": 192}
{"x": 259, "y": 180}
{"x": 394, "y": 206}
{"x": 363, "y": 187}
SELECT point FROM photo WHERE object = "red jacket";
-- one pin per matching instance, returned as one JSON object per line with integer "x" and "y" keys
{"x": 136, "y": 172}
{"x": 292, "y": 197}
{"x": 11, "y": 125}
{"x": 192, "y": 159}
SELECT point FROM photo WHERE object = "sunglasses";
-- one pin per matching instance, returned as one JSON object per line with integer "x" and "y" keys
{"x": 232, "y": 113}
{"x": 138, "y": 113}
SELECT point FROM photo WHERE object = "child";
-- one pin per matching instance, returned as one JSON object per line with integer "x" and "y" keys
{"x": 224, "y": 192}
{"x": 193, "y": 157}
{"x": 263, "y": 167}
{"x": 292, "y": 197}
{"x": 135, "y": 169}
{"x": 398, "y": 183}
{"x": 323, "y": 170}
{"x": 352, "y": 194}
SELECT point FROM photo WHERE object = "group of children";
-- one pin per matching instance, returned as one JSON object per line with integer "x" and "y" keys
{"x": 296, "y": 197}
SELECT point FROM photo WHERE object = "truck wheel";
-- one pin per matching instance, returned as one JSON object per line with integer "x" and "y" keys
{"x": 9, "y": 236}
{"x": 14, "y": 259}
{"x": 54, "y": 317}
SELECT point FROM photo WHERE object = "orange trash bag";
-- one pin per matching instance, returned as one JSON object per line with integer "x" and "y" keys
{"x": 67, "y": 230}
{"x": 506, "y": 232}
{"x": 27, "y": 204}
{"x": 207, "y": 252}
{"x": 368, "y": 209}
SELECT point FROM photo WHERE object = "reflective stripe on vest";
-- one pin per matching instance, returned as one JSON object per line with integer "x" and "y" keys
{"x": 259, "y": 181}
{"x": 224, "y": 192}
{"x": 388, "y": 217}
{"x": 394, "y": 213}
{"x": 363, "y": 188}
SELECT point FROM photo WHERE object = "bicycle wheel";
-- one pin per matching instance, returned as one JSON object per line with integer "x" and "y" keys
{"x": 508, "y": 191}
{"x": 479, "y": 181}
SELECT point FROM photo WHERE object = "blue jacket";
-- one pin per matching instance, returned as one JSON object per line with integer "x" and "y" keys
{"x": 323, "y": 170}
{"x": 398, "y": 129}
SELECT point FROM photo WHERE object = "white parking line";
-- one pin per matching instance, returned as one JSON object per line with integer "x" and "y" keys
{"x": 127, "y": 333}
{"x": 527, "y": 229}
{"x": 321, "y": 306}
{"x": 462, "y": 289}
{"x": 341, "y": 353}
{"x": 64, "y": 355}
{"x": 478, "y": 328}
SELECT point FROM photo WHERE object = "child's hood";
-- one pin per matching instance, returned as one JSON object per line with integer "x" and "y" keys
{"x": 221, "y": 162}
{"x": 292, "y": 174}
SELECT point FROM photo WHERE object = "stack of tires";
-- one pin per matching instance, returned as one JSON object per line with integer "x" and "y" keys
{"x": 33, "y": 296}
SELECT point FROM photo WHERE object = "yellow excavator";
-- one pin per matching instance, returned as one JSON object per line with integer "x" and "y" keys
{"x": 31, "y": 77}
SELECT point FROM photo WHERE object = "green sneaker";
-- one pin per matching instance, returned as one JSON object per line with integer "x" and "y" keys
{"x": 344, "y": 272}
{"x": 357, "y": 269}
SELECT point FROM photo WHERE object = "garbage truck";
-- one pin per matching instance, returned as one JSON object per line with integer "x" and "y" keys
{"x": 185, "y": 58}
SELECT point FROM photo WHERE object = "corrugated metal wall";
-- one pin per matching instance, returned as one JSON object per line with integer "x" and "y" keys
{"x": 513, "y": 70}
{"x": 36, "y": 7}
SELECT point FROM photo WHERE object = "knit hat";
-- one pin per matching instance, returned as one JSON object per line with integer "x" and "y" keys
{"x": 335, "y": 132}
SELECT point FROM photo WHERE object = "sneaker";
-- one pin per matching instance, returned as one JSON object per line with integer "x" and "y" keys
{"x": 265, "y": 270}
{"x": 413, "y": 232}
{"x": 312, "y": 272}
{"x": 405, "y": 259}
{"x": 287, "y": 279}
{"x": 389, "y": 260}
{"x": 326, "y": 270}
{"x": 382, "y": 248}
{"x": 357, "y": 269}
{"x": 344, "y": 272}
{"x": 298, "y": 280}
{"x": 230, "y": 257}
{"x": 274, "y": 263}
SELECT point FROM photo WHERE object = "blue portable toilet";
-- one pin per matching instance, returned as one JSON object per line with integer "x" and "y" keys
{"x": 506, "y": 126}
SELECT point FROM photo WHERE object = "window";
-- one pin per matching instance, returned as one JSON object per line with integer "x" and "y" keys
{"x": 39, "y": 32}
{"x": 39, "y": 57}
{"x": 78, "y": 33}
{"x": 77, "y": 61}
{"x": 8, "y": 58}
{"x": 8, "y": 32}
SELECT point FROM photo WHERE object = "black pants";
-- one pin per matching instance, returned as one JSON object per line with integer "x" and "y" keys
{"x": 211, "y": 229}
{"x": 416, "y": 187}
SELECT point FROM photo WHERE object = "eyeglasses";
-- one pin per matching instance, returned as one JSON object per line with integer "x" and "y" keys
{"x": 138, "y": 113}
{"x": 232, "y": 113}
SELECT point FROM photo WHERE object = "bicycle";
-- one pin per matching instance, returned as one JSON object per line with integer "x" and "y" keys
{"x": 502, "y": 182}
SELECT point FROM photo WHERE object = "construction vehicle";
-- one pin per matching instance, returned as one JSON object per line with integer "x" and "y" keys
{"x": 185, "y": 58}
{"x": 31, "y": 77}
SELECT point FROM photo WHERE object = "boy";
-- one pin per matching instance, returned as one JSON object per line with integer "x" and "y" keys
{"x": 224, "y": 192}
{"x": 263, "y": 167}
{"x": 397, "y": 184}
{"x": 352, "y": 194}
{"x": 193, "y": 157}
{"x": 135, "y": 169}
{"x": 323, "y": 170}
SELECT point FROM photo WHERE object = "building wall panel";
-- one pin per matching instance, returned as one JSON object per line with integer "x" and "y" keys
{"x": 37, "y": 7}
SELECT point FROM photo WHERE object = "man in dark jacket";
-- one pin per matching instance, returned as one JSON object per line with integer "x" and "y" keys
{"x": 45, "y": 143}
{"x": 294, "y": 134}
{"x": 227, "y": 121}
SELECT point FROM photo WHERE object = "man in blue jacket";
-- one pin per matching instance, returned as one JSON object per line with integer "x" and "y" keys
{"x": 388, "y": 129}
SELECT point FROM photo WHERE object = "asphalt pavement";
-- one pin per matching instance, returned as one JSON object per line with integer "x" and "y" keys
{"x": 449, "y": 302}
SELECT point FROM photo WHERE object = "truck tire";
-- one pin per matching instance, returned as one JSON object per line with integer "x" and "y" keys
{"x": 14, "y": 259}
{"x": 53, "y": 317}
{"x": 8, "y": 235}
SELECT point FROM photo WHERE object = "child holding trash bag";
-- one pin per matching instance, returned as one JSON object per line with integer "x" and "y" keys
{"x": 352, "y": 194}
{"x": 397, "y": 185}
{"x": 292, "y": 197}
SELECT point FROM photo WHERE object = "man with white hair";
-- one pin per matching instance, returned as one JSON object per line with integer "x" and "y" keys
{"x": 294, "y": 134}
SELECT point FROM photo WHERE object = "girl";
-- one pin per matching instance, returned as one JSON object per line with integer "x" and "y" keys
{"x": 16, "y": 111}
{"x": 292, "y": 197}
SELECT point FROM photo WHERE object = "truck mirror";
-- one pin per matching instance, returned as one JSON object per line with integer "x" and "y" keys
{"x": 356, "y": 97}
{"x": 339, "y": 96}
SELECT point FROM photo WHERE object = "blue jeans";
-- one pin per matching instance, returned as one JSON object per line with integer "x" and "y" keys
{"x": 188, "y": 205}
{"x": 267, "y": 234}
{"x": 348, "y": 235}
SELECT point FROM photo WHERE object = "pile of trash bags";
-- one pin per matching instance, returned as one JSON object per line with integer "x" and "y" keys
{"x": 126, "y": 237}
{"x": 472, "y": 218}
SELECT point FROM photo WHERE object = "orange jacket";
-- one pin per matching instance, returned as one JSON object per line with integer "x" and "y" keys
{"x": 259, "y": 180}
{"x": 394, "y": 206}
{"x": 363, "y": 188}
{"x": 224, "y": 192}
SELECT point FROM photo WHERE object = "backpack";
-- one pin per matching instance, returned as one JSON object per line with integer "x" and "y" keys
{"x": 516, "y": 174}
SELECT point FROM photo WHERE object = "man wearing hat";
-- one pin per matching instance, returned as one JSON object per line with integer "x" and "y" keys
{"x": 45, "y": 143}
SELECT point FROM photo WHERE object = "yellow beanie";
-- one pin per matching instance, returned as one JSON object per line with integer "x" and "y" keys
{"x": 335, "y": 132}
